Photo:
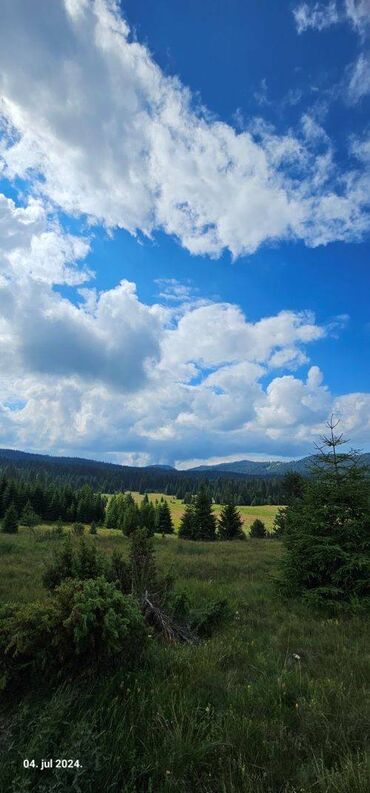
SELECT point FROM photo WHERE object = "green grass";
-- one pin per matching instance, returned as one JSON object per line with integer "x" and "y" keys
{"x": 237, "y": 714}
{"x": 266, "y": 513}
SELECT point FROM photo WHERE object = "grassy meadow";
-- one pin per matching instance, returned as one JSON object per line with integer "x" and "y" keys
{"x": 266, "y": 513}
{"x": 276, "y": 701}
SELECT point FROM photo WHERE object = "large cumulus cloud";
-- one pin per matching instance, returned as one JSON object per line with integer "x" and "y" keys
{"x": 103, "y": 132}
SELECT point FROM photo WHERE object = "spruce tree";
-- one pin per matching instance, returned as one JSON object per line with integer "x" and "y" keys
{"x": 327, "y": 535}
{"x": 10, "y": 520}
{"x": 205, "y": 521}
{"x": 165, "y": 524}
{"x": 29, "y": 517}
{"x": 143, "y": 568}
{"x": 147, "y": 516}
{"x": 187, "y": 528}
{"x": 258, "y": 529}
{"x": 230, "y": 523}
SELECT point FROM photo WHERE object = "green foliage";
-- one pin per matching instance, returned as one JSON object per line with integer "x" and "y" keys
{"x": 84, "y": 623}
{"x": 28, "y": 517}
{"x": 119, "y": 572}
{"x": 93, "y": 528}
{"x": 279, "y": 524}
{"x": 10, "y": 521}
{"x": 258, "y": 529}
{"x": 205, "y": 521}
{"x": 164, "y": 519}
{"x": 187, "y": 528}
{"x": 327, "y": 536}
{"x": 210, "y": 617}
{"x": 143, "y": 569}
{"x": 82, "y": 562}
{"x": 230, "y": 523}
{"x": 198, "y": 521}
{"x": 276, "y": 700}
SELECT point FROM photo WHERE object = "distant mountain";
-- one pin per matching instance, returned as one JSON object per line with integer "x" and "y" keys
{"x": 275, "y": 468}
{"x": 112, "y": 476}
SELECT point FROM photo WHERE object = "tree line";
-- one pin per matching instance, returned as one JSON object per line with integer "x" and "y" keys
{"x": 222, "y": 487}
{"x": 50, "y": 501}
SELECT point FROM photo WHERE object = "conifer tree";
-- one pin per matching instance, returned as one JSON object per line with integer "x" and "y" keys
{"x": 29, "y": 517}
{"x": 165, "y": 523}
{"x": 327, "y": 536}
{"x": 187, "y": 529}
{"x": 258, "y": 529}
{"x": 10, "y": 520}
{"x": 147, "y": 515}
{"x": 205, "y": 521}
{"x": 230, "y": 523}
{"x": 143, "y": 569}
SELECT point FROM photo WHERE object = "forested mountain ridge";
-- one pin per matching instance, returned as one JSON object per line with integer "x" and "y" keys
{"x": 244, "y": 482}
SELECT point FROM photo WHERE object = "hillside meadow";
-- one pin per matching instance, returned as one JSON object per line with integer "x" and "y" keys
{"x": 266, "y": 513}
{"x": 277, "y": 700}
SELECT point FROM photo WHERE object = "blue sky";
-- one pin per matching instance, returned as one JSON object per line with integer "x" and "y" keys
{"x": 185, "y": 227}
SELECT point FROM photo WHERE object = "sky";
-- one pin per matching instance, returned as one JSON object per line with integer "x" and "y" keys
{"x": 184, "y": 227}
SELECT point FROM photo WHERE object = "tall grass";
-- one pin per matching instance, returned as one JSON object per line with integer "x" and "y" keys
{"x": 277, "y": 701}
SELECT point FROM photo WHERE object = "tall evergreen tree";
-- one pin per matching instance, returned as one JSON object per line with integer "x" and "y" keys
{"x": 147, "y": 516}
{"x": 230, "y": 523}
{"x": 10, "y": 520}
{"x": 205, "y": 521}
{"x": 187, "y": 529}
{"x": 143, "y": 568}
{"x": 327, "y": 535}
{"x": 165, "y": 523}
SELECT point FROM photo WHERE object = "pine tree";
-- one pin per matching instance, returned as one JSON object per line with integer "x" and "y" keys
{"x": 327, "y": 536}
{"x": 10, "y": 520}
{"x": 205, "y": 521}
{"x": 187, "y": 529}
{"x": 258, "y": 529}
{"x": 147, "y": 515}
{"x": 165, "y": 524}
{"x": 230, "y": 523}
{"x": 29, "y": 517}
{"x": 143, "y": 569}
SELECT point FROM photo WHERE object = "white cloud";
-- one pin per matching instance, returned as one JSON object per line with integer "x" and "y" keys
{"x": 100, "y": 131}
{"x": 359, "y": 78}
{"x": 31, "y": 244}
{"x": 317, "y": 16}
{"x": 358, "y": 12}
{"x": 112, "y": 375}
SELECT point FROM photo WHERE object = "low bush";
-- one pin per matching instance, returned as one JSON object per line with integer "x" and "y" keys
{"x": 83, "y": 624}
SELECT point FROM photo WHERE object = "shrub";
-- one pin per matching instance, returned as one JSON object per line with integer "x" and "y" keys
{"x": 93, "y": 529}
{"x": 85, "y": 623}
{"x": 83, "y": 562}
{"x": 205, "y": 621}
{"x": 258, "y": 529}
{"x": 119, "y": 573}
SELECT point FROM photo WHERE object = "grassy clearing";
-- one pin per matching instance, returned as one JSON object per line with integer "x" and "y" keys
{"x": 238, "y": 713}
{"x": 266, "y": 513}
